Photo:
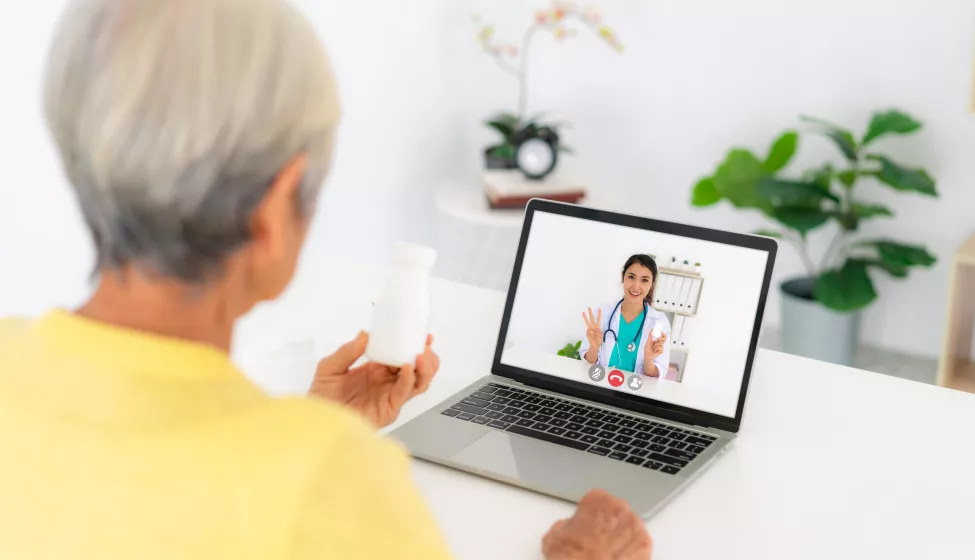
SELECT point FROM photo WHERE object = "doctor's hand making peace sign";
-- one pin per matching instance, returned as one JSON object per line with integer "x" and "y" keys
{"x": 594, "y": 332}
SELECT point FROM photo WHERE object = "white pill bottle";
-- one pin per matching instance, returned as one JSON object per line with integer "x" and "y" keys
{"x": 401, "y": 318}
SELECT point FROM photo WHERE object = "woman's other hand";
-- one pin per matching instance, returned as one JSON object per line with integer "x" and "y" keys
{"x": 378, "y": 392}
{"x": 654, "y": 348}
{"x": 594, "y": 330}
{"x": 603, "y": 527}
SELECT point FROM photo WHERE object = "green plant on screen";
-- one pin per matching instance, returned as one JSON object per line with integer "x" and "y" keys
{"x": 571, "y": 351}
{"x": 827, "y": 194}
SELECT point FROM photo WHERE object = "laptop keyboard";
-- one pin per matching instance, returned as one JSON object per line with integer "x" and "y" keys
{"x": 618, "y": 436}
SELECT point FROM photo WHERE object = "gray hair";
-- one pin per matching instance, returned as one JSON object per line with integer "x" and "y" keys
{"x": 173, "y": 117}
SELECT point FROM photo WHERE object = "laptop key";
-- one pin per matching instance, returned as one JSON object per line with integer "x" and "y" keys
{"x": 670, "y": 469}
{"x": 526, "y": 414}
{"x": 628, "y": 431}
{"x": 614, "y": 420}
{"x": 498, "y": 407}
{"x": 596, "y": 450}
{"x": 488, "y": 389}
{"x": 481, "y": 420}
{"x": 661, "y": 440}
{"x": 522, "y": 431}
{"x": 579, "y": 419}
{"x": 678, "y": 445}
{"x": 563, "y": 415}
{"x": 660, "y": 431}
{"x": 525, "y": 422}
{"x": 606, "y": 443}
{"x": 476, "y": 402}
{"x": 450, "y": 412}
{"x": 707, "y": 437}
{"x": 622, "y": 447}
{"x": 605, "y": 434}
{"x": 509, "y": 418}
{"x": 611, "y": 427}
{"x": 547, "y": 401}
{"x": 634, "y": 460}
{"x": 645, "y": 436}
{"x": 503, "y": 393}
{"x": 493, "y": 414}
{"x": 542, "y": 418}
{"x": 578, "y": 410}
{"x": 678, "y": 436}
{"x": 589, "y": 430}
{"x": 623, "y": 439}
{"x": 498, "y": 424}
{"x": 595, "y": 415}
{"x": 532, "y": 407}
{"x": 643, "y": 427}
{"x": 547, "y": 411}
{"x": 563, "y": 407}
{"x": 475, "y": 410}
{"x": 628, "y": 423}
{"x": 639, "y": 443}
{"x": 700, "y": 442}
{"x": 572, "y": 435}
{"x": 680, "y": 454}
{"x": 694, "y": 449}
{"x": 573, "y": 426}
{"x": 556, "y": 430}
{"x": 518, "y": 396}
{"x": 483, "y": 395}
{"x": 668, "y": 460}
{"x": 465, "y": 416}
{"x": 589, "y": 439}
{"x": 653, "y": 465}
{"x": 517, "y": 404}
{"x": 511, "y": 410}
{"x": 618, "y": 455}
{"x": 594, "y": 423}
{"x": 540, "y": 426}
{"x": 557, "y": 422}
{"x": 640, "y": 452}
{"x": 657, "y": 447}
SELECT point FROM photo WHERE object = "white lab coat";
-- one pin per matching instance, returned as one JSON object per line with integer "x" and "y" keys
{"x": 608, "y": 349}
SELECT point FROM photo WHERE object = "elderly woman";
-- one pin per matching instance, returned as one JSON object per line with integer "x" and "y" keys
{"x": 196, "y": 135}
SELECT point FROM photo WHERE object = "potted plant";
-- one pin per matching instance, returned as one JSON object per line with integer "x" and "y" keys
{"x": 821, "y": 309}
{"x": 517, "y": 128}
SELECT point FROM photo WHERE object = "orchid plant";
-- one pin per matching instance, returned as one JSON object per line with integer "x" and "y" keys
{"x": 563, "y": 20}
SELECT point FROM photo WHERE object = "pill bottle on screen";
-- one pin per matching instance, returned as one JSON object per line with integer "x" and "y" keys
{"x": 401, "y": 317}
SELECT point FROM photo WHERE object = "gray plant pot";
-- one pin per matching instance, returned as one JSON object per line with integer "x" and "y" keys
{"x": 813, "y": 331}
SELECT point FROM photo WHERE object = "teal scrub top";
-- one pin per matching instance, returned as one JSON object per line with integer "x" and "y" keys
{"x": 621, "y": 358}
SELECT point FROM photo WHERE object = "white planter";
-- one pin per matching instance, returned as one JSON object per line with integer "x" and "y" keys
{"x": 813, "y": 331}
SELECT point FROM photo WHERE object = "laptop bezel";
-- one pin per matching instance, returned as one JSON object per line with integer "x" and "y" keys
{"x": 619, "y": 399}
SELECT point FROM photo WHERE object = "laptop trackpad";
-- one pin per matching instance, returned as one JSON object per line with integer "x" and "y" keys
{"x": 538, "y": 465}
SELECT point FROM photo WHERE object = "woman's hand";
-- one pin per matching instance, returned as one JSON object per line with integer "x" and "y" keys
{"x": 654, "y": 349}
{"x": 603, "y": 527}
{"x": 594, "y": 332}
{"x": 378, "y": 392}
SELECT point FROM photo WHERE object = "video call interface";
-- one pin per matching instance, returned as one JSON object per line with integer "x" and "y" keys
{"x": 655, "y": 315}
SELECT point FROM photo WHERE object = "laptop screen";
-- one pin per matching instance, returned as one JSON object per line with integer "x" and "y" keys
{"x": 654, "y": 315}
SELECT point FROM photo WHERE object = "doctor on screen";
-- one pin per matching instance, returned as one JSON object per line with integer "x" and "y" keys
{"x": 629, "y": 334}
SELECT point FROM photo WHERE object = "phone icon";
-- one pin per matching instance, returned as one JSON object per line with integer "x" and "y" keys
{"x": 616, "y": 378}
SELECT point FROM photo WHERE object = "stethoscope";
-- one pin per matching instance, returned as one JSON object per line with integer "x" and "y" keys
{"x": 639, "y": 333}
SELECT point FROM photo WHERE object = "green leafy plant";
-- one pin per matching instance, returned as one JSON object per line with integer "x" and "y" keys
{"x": 800, "y": 205}
{"x": 514, "y": 131}
{"x": 571, "y": 351}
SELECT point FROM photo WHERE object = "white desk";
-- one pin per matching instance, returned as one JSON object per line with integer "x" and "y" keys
{"x": 831, "y": 462}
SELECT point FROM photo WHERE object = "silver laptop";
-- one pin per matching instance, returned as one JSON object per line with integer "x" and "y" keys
{"x": 622, "y": 360}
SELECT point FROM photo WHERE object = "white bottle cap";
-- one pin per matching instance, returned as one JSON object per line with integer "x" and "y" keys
{"x": 417, "y": 255}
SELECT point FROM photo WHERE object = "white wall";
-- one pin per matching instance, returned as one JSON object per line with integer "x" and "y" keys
{"x": 571, "y": 264}
{"x": 697, "y": 78}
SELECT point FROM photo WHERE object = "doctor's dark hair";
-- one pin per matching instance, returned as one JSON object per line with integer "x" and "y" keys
{"x": 647, "y": 261}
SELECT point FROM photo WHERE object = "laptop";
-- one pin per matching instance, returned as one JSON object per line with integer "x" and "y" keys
{"x": 640, "y": 418}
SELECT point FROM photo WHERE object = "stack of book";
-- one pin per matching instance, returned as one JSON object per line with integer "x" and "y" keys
{"x": 509, "y": 189}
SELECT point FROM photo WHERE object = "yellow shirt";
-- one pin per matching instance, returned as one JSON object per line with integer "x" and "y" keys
{"x": 119, "y": 444}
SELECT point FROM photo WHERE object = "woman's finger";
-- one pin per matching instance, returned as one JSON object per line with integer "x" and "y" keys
{"x": 403, "y": 387}
{"x": 426, "y": 367}
{"x": 599, "y": 319}
{"x": 586, "y": 319}
{"x": 592, "y": 318}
